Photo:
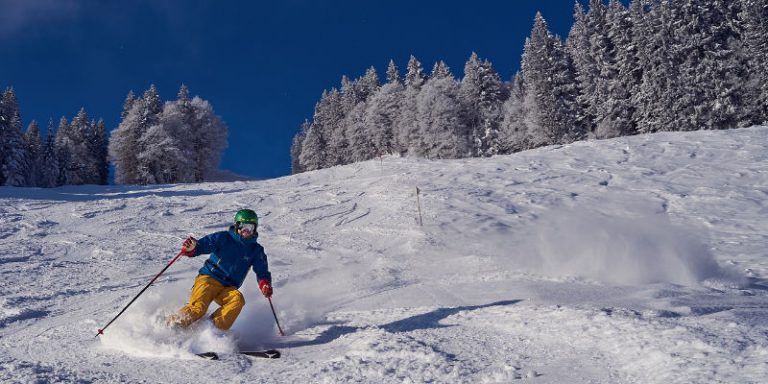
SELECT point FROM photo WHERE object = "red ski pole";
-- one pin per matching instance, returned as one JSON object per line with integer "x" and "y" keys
{"x": 101, "y": 330}
{"x": 275, "y": 315}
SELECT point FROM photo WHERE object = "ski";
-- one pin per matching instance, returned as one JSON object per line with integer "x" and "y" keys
{"x": 266, "y": 354}
{"x": 208, "y": 355}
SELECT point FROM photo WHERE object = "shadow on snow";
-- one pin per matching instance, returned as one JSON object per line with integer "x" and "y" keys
{"x": 429, "y": 320}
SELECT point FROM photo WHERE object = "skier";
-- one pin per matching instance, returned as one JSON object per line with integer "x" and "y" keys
{"x": 232, "y": 253}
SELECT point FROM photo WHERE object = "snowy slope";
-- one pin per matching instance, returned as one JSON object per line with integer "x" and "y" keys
{"x": 633, "y": 260}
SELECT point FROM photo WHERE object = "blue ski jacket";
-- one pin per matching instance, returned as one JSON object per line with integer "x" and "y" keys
{"x": 231, "y": 257}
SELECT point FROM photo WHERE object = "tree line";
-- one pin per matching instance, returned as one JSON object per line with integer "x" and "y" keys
{"x": 75, "y": 153}
{"x": 173, "y": 142}
{"x": 654, "y": 65}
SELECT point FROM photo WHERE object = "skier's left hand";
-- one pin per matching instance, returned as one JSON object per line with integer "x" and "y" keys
{"x": 266, "y": 288}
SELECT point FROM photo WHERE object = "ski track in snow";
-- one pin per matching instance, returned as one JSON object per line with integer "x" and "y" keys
{"x": 634, "y": 260}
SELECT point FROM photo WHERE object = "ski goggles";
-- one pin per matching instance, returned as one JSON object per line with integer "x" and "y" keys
{"x": 249, "y": 227}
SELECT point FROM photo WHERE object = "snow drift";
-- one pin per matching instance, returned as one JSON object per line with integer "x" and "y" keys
{"x": 620, "y": 250}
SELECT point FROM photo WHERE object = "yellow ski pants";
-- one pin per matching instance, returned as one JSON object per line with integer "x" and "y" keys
{"x": 206, "y": 290}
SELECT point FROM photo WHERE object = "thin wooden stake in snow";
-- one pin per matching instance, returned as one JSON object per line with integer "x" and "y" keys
{"x": 418, "y": 203}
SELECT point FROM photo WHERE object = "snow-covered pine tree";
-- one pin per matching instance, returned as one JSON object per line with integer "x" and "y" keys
{"x": 441, "y": 71}
{"x": 710, "y": 70}
{"x": 337, "y": 151}
{"x": 328, "y": 121}
{"x": 130, "y": 98}
{"x": 62, "y": 150}
{"x": 393, "y": 73}
{"x": 315, "y": 145}
{"x": 361, "y": 146}
{"x": 725, "y": 66}
{"x": 687, "y": 51}
{"x": 98, "y": 143}
{"x": 444, "y": 134}
{"x": 162, "y": 152}
{"x": 123, "y": 152}
{"x": 617, "y": 110}
{"x": 578, "y": 47}
{"x": 296, "y": 147}
{"x": 383, "y": 109}
{"x": 550, "y": 86}
{"x": 78, "y": 168}
{"x": 492, "y": 98}
{"x": 659, "y": 88}
{"x": 601, "y": 52}
{"x": 190, "y": 143}
{"x": 149, "y": 113}
{"x": 50, "y": 172}
{"x": 599, "y": 45}
{"x": 335, "y": 110}
{"x": 175, "y": 135}
{"x": 754, "y": 37}
{"x": 341, "y": 144}
{"x": 406, "y": 125}
{"x": 312, "y": 156}
{"x": 84, "y": 142}
{"x": 414, "y": 75}
{"x": 183, "y": 96}
{"x": 369, "y": 84}
{"x": 34, "y": 154}
{"x": 482, "y": 95}
{"x": 360, "y": 141}
{"x": 125, "y": 149}
{"x": 208, "y": 128}
{"x": 513, "y": 132}
{"x": 122, "y": 144}
{"x": 13, "y": 154}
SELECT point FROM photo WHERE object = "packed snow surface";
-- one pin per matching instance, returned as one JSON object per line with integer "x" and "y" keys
{"x": 634, "y": 260}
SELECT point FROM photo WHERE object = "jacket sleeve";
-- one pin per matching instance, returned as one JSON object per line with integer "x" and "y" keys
{"x": 208, "y": 244}
{"x": 260, "y": 266}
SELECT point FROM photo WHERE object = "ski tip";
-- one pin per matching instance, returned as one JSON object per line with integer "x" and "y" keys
{"x": 268, "y": 354}
{"x": 208, "y": 355}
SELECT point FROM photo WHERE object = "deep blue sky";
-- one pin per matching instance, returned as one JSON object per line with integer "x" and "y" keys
{"x": 262, "y": 64}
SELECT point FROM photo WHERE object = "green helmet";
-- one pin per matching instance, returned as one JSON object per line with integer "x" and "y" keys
{"x": 246, "y": 216}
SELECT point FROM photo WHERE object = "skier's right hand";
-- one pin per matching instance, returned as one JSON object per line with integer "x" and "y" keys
{"x": 266, "y": 288}
{"x": 188, "y": 247}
